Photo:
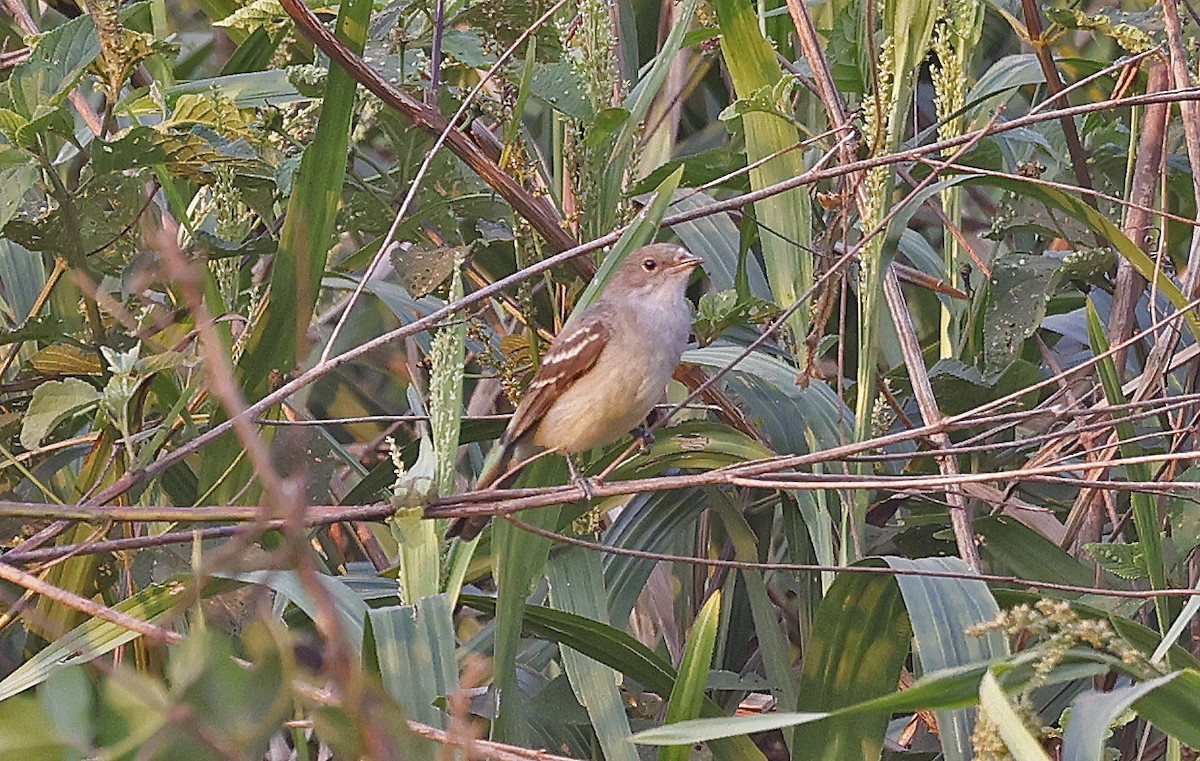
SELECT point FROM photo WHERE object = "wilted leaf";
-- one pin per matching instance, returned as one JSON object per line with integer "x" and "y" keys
{"x": 213, "y": 110}
{"x": 66, "y": 359}
{"x": 423, "y": 267}
{"x": 1020, "y": 286}
{"x": 1134, "y": 31}
{"x": 52, "y": 403}
{"x": 186, "y": 154}
{"x": 256, "y": 14}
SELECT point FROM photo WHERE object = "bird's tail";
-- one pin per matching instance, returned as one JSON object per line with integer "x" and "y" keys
{"x": 495, "y": 465}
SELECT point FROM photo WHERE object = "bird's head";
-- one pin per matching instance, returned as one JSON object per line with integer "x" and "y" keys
{"x": 658, "y": 272}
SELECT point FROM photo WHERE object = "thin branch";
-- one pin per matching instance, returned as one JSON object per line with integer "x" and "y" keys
{"x": 1035, "y": 585}
{"x": 322, "y": 369}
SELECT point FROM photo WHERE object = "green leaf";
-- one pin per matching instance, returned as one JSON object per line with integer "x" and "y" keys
{"x": 254, "y": 53}
{"x": 1093, "y": 714}
{"x": 859, "y": 641}
{"x": 617, "y": 649}
{"x": 18, "y": 172}
{"x": 258, "y": 89}
{"x": 558, "y": 84}
{"x": 1023, "y": 745}
{"x": 1174, "y": 707}
{"x": 412, "y": 647}
{"x": 1011, "y": 547}
{"x": 59, "y": 57}
{"x": 351, "y": 608}
{"x": 91, "y": 639}
{"x": 52, "y": 403}
{"x": 940, "y": 611}
{"x": 951, "y": 688}
{"x": 959, "y": 387}
{"x": 707, "y": 730}
{"x": 688, "y": 693}
{"x": 1124, "y": 559}
{"x": 786, "y": 217}
{"x": 307, "y": 233}
{"x": 27, "y": 732}
{"x": 69, "y": 699}
{"x": 1107, "y": 230}
{"x": 1019, "y": 288}
{"x": 520, "y": 558}
{"x": 576, "y": 579}
{"x": 1145, "y": 506}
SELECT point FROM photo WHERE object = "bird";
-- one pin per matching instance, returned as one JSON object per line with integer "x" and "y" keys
{"x": 604, "y": 371}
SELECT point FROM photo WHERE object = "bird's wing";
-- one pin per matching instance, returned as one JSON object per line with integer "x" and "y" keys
{"x": 574, "y": 352}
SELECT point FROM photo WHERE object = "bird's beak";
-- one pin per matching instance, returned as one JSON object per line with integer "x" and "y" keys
{"x": 685, "y": 260}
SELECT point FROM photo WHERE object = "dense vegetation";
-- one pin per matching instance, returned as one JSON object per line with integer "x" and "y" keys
{"x": 272, "y": 274}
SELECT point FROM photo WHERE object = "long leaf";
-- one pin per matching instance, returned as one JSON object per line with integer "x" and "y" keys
{"x": 1021, "y": 743}
{"x": 91, "y": 639}
{"x": 308, "y": 228}
{"x": 577, "y": 585}
{"x": 940, "y": 610}
{"x": 1145, "y": 508}
{"x": 786, "y": 218}
{"x": 859, "y": 642}
{"x": 412, "y": 648}
{"x": 623, "y": 653}
{"x": 687, "y": 696}
{"x": 520, "y": 558}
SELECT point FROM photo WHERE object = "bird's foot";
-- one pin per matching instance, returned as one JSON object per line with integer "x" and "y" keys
{"x": 580, "y": 480}
{"x": 644, "y": 437}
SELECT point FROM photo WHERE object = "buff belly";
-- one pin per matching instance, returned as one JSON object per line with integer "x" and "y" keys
{"x": 587, "y": 416}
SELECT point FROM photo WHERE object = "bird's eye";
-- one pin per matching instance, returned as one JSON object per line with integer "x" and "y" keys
{"x": 649, "y": 265}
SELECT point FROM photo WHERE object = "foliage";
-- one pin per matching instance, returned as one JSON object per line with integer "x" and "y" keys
{"x": 271, "y": 275}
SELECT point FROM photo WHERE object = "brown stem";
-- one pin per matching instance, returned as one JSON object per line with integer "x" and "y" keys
{"x": 541, "y": 215}
{"x": 322, "y": 369}
{"x": 1033, "y": 23}
{"x": 1130, "y": 283}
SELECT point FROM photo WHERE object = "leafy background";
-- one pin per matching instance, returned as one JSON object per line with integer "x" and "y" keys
{"x": 272, "y": 274}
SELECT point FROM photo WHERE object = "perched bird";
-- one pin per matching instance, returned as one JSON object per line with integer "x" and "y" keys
{"x": 605, "y": 371}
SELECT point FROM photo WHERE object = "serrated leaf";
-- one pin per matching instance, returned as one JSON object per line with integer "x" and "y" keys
{"x": 213, "y": 110}
{"x": 36, "y": 329}
{"x": 1134, "y": 31}
{"x": 254, "y": 15}
{"x": 18, "y": 172}
{"x": 11, "y": 123}
{"x": 1125, "y": 560}
{"x": 58, "y": 59}
{"x": 52, "y": 403}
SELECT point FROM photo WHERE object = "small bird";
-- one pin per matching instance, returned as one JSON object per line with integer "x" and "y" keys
{"x": 605, "y": 371}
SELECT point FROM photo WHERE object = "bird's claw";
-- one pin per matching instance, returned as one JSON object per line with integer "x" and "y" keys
{"x": 586, "y": 486}
{"x": 580, "y": 480}
{"x": 644, "y": 438}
